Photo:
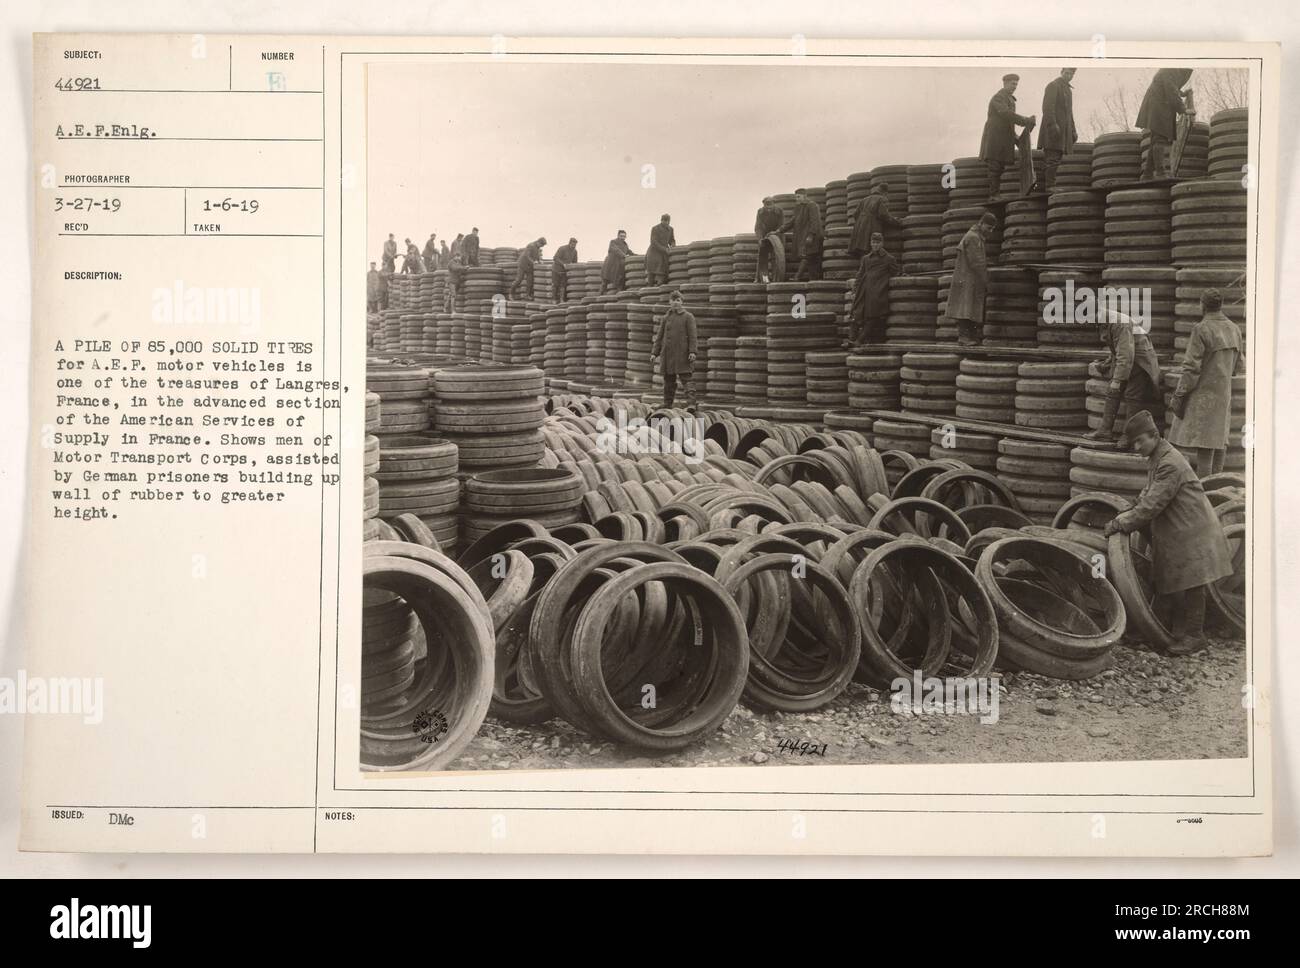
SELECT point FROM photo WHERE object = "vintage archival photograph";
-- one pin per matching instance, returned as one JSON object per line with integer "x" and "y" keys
{"x": 802, "y": 414}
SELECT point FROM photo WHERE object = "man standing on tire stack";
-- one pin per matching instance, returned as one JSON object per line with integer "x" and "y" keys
{"x": 1188, "y": 548}
{"x": 806, "y": 225}
{"x": 872, "y": 217}
{"x": 613, "y": 272}
{"x": 456, "y": 273}
{"x": 469, "y": 248}
{"x": 1057, "y": 135}
{"x": 675, "y": 345}
{"x": 771, "y": 247}
{"x": 565, "y": 256}
{"x": 390, "y": 254}
{"x": 662, "y": 239}
{"x": 871, "y": 295}
{"x": 1158, "y": 118}
{"x": 998, "y": 144}
{"x": 970, "y": 282}
{"x": 1202, "y": 403}
{"x": 1133, "y": 371}
{"x": 430, "y": 254}
{"x": 524, "y": 269}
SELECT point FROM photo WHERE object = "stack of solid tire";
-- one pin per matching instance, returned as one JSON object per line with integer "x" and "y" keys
{"x": 640, "y": 341}
{"x": 549, "y": 496}
{"x": 712, "y": 321}
{"x": 873, "y": 380}
{"x": 1037, "y": 473}
{"x": 1229, "y": 139}
{"x": 828, "y": 378}
{"x": 593, "y": 368}
{"x": 837, "y": 204}
{"x": 615, "y": 365}
{"x": 720, "y": 378}
{"x": 1009, "y": 185}
{"x": 370, "y": 486}
{"x": 1075, "y": 171}
{"x": 404, "y": 392}
{"x": 1024, "y": 231}
{"x": 1116, "y": 159}
{"x": 417, "y": 477}
{"x": 744, "y": 264}
{"x": 1152, "y": 288}
{"x": 575, "y": 341}
{"x": 1061, "y": 314}
{"x": 555, "y": 342}
{"x": 928, "y": 383}
{"x": 751, "y": 369}
{"x": 913, "y": 309}
{"x": 836, "y": 261}
{"x": 1076, "y": 224}
{"x": 922, "y": 243}
{"x": 1138, "y": 226}
{"x": 980, "y": 451}
{"x": 911, "y": 438}
{"x": 492, "y": 413}
{"x": 1052, "y": 396}
{"x": 1108, "y": 471}
{"x": 1011, "y": 307}
{"x": 751, "y": 308}
{"x": 856, "y": 189}
{"x": 970, "y": 184}
{"x": 986, "y": 390}
{"x": 391, "y": 642}
{"x": 926, "y": 192}
{"x": 1195, "y": 153}
{"x": 1209, "y": 222}
{"x": 634, "y": 270}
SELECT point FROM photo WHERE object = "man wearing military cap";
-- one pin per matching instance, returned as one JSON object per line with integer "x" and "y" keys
{"x": 565, "y": 256}
{"x": 675, "y": 344}
{"x": 998, "y": 145}
{"x": 1188, "y": 549}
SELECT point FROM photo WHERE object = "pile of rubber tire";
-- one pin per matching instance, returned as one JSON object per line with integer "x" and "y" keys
{"x": 712, "y": 321}
{"x": 928, "y": 383}
{"x": 493, "y": 414}
{"x": 973, "y": 449}
{"x": 1209, "y": 222}
{"x": 640, "y": 341}
{"x": 913, "y": 309}
{"x": 404, "y": 392}
{"x": 926, "y": 192}
{"x": 616, "y": 336}
{"x": 751, "y": 369}
{"x": 417, "y": 477}
{"x": 986, "y": 390}
{"x": 970, "y": 185}
{"x": 873, "y": 381}
{"x": 1052, "y": 396}
{"x": 898, "y": 435}
{"x": 837, "y": 264}
{"x": 1010, "y": 307}
{"x": 1150, "y": 299}
{"x": 593, "y": 366}
{"x": 1038, "y": 474}
{"x": 1107, "y": 471}
{"x": 1138, "y": 226}
{"x": 1076, "y": 225}
{"x": 420, "y": 711}
{"x": 836, "y": 213}
{"x": 549, "y": 496}
{"x": 750, "y": 300}
{"x": 1061, "y": 311}
{"x": 720, "y": 377}
{"x": 795, "y": 327}
{"x": 1116, "y": 158}
{"x": 827, "y": 378}
{"x": 575, "y": 342}
{"x": 1075, "y": 170}
{"x": 1229, "y": 141}
{"x": 922, "y": 243}
{"x": 1024, "y": 231}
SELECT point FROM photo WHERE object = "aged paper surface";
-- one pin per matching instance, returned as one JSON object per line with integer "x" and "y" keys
{"x": 206, "y": 206}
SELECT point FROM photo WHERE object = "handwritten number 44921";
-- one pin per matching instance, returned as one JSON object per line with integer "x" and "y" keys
{"x": 795, "y": 747}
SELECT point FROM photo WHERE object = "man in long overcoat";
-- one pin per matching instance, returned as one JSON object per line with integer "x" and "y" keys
{"x": 970, "y": 282}
{"x": 430, "y": 253}
{"x": 1133, "y": 371}
{"x": 390, "y": 254}
{"x": 1057, "y": 136}
{"x": 469, "y": 248}
{"x": 675, "y": 348}
{"x": 768, "y": 224}
{"x": 998, "y": 143}
{"x": 565, "y": 256}
{"x": 1158, "y": 117}
{"x": 1188, "y": 548}
{"x": 662, "y": 239}
{"x": 871, "y": 295}
{"x": 1202, "y": 403}
{"x": 873, "y": 216}
{"x": 374, "y": 289}
{"x": 806, "y": 228}
{"x": 613, "y": 271}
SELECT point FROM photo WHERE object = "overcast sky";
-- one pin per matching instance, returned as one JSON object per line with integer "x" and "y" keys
{"x": 554, "y": 150}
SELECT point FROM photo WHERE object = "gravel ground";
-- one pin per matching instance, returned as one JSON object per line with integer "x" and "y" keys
{"x": 1145, "y": 707}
